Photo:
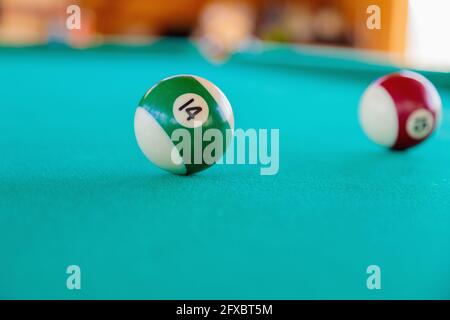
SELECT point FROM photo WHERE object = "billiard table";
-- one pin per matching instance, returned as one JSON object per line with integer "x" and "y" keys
{"x": 76, "y": 190}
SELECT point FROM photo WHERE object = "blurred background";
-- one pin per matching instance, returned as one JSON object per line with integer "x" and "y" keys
{"x": 415, "y": 32}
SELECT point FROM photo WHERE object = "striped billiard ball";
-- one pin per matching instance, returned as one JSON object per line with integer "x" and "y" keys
{"x": 180, "y": 121}
{"x": 400, "y": 110}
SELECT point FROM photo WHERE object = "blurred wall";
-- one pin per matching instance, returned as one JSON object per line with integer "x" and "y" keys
{"x": 31, "y": 21}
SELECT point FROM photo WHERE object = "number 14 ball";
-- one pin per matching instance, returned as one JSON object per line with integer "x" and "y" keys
{"x": 183, "y": 102}
{"x": 400, "y": 110}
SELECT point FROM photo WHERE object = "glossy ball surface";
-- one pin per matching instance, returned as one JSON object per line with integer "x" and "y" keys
{"x": 190, "y": 103}
{"x": 400, "y": 110}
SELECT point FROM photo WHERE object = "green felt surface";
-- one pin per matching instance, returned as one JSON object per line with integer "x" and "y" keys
{"x": 75, "y": 188}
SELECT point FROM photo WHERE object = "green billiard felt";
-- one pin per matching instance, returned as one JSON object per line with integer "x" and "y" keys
{"x": 75, "y": 188}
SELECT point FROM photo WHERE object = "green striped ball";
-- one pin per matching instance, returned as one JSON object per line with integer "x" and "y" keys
{"x": 186, "y": 102}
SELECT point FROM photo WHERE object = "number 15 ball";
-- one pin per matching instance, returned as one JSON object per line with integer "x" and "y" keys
{"x": 400, "y": 110}
{"x": 183, "y": 102}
